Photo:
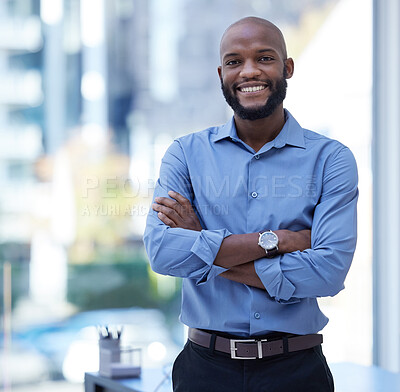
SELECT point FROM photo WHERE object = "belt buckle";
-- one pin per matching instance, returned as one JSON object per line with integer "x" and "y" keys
{"x": 234, "y": 348}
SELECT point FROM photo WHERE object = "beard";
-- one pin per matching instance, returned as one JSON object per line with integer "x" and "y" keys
{"x": 276, "y": 98}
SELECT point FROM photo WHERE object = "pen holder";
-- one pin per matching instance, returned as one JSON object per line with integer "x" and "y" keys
{"x": 117, "y": 362}
{"x": 110, "y": 352}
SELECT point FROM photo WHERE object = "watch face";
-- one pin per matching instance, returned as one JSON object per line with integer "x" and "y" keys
{"x": 268, "y": 240}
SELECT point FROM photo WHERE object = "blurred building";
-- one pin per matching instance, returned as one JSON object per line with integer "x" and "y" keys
{"x": 21, "y": 115}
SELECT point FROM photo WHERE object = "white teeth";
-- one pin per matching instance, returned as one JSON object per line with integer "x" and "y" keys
{"x": 252, "y": 89}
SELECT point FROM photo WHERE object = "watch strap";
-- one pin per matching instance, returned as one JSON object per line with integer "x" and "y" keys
{"x": 271, "y": 252}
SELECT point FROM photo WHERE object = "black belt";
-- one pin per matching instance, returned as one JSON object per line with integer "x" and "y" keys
{"x": 255, "y": 348}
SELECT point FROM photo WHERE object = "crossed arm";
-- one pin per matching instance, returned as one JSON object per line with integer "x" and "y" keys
{"x": 238, "y": 251}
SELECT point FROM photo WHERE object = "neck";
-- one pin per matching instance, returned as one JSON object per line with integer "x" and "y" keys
{"x": 256, "y": 133}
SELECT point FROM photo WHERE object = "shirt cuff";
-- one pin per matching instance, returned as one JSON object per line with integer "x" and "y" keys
{"x": 278, "y": 287}
{"x": 206, "y": 248}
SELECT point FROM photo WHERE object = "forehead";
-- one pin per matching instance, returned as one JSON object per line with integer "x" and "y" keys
{"x": 251, "y": 35}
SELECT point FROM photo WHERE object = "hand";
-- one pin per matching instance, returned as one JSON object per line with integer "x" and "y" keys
{"x": 291, "y": 241}
{"x": 244, "y": 273}
{"x": 177, "y": 212}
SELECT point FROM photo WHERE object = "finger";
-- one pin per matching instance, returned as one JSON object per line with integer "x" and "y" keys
{"x": 166, "y": 201}
{"x": 169, "y": 212}
{"x": 163, "y": 200}
{"x": 178, "y": 197}
{"x": 185, "y": 207}
{"x": 166, "y": 220}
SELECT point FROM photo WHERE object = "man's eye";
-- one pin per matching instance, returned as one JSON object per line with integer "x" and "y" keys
{"x": 232, "y": 62}
{"x": 266, "y": 58}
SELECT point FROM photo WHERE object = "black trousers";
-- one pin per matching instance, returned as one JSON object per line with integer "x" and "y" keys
{"x": 201, "y": 369}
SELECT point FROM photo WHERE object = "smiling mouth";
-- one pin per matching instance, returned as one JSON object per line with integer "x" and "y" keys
{"x": 252, "y": 89}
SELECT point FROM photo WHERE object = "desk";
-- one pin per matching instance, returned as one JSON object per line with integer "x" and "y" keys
{"x": 349, "y": 377}
{"x": 148, "y": 382}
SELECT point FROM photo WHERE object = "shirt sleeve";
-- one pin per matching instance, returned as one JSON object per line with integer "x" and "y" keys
{"x": 321, "y": 270}
{"x": 175, "y": 251}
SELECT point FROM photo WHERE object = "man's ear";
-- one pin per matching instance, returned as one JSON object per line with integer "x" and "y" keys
{"x": 289, "y": 66}
{"x": 219, "y": 69}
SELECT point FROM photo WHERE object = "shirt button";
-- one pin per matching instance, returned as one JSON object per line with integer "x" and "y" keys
{"x": 257, "y": 315}
{"x": 254, "y": 195}
{"x": 257, "y": 156}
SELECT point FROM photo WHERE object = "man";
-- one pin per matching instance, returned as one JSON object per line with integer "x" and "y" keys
{"x": 258, "y": 217}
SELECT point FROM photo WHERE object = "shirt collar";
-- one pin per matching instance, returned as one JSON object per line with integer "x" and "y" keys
{"x": 228, "y": 130}
{"x": 291, "y": 134}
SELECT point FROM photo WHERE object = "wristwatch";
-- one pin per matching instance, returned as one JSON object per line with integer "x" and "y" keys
{"x": 268, "y": 240}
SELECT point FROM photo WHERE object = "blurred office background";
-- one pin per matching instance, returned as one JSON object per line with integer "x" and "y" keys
{"x": 92, "y": 93}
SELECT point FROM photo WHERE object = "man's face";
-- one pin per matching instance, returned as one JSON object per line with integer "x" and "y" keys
{"x": 278, "y": 94}
{"x": 254, "y": 71}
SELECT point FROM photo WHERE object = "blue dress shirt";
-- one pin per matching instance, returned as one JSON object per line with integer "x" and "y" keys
{"x": 299, "y": 180}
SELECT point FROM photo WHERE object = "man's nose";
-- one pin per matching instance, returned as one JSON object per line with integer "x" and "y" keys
{"x": 250, "y": 70}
